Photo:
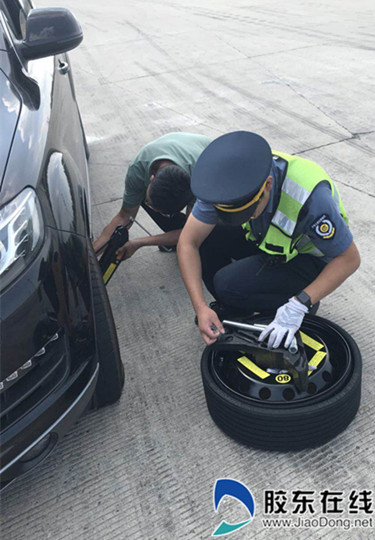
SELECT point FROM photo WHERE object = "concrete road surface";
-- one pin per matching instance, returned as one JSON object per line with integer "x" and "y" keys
{"x": 300, "y": 73}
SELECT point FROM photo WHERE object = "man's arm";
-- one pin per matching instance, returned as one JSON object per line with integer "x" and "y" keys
{"x": 334, "y": 274}
{"x": 169, "y": 238}
{"x": 121, "y": 218}
{"x": 338, "y": 245}
{"x": 192, "y": 236}
{"x": 289, "y": 317}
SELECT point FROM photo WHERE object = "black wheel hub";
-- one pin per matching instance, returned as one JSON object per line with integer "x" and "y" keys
{"x": 253, "y": 373}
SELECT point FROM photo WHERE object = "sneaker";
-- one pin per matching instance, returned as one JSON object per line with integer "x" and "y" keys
{"x": 314, "y": 309}
{"x": 167, "y": 249}
{"x": 219, "y": 309}
{"x": 222, "y": 312}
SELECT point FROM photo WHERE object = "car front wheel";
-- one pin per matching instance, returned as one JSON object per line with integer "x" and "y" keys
{"x": 111, "y": 370}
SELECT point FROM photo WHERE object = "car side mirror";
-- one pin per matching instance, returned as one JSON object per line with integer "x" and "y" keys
{"x": 50, "y": 31}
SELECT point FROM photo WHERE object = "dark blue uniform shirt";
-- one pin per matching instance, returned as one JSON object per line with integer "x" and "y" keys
{"x": 320, "y": 206}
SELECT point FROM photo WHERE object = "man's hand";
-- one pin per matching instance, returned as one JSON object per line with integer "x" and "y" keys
{"x": 287, "y": 322}
{"x": 127, "y": 250}
{"x": 192, "y": 236}
{"x": 209, "y": 325}
{"x": 120, "y": 219}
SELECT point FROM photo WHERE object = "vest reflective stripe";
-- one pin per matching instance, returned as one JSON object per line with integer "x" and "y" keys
{"x": 312, "y": 250}
{"x": 283, "y": 222}
{"x": 299, "y": 195}
{"x": 294, "y": 190}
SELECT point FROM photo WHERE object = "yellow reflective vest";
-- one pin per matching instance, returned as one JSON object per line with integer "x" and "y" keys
{"x": 301, "y": 178}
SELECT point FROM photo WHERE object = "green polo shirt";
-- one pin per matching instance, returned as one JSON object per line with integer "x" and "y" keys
{"x": 182, "y": 148}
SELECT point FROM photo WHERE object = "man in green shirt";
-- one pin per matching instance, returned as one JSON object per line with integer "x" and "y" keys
{"x": 158, "y": 179}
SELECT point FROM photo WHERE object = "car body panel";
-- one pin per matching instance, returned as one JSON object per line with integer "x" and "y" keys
{"x": 67, "y": 408}
{"x": 48, "y": 351}
{"x": 53, "y": 124}
{"x": 52, "y": 294}
{"x": 10, "y": 106}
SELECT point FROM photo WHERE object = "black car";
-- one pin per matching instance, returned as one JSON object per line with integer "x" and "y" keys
{"x": 59, "y": 349}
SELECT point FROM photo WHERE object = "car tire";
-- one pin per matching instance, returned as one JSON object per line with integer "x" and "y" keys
{"x": 111, "y": 376}
{"x": 288, "y": 426}
{"x": 85, "y": 143}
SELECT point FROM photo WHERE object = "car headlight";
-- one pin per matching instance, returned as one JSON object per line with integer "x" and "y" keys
{"x": 21, "y": 234}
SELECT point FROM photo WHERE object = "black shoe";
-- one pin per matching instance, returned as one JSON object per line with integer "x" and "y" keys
{"x": 222, "y": 312}
{"x": 167, "y": 249}
{"x": 314, "y": 309}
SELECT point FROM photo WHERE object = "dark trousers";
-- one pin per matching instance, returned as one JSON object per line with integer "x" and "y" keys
{"x": 166, "y": 223}
{"x": 235, "y": 273}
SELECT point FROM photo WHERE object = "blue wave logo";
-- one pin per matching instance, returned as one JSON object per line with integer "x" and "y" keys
{"x": 236, "y": 490}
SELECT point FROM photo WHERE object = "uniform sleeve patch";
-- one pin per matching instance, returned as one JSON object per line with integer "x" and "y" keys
{"x": 324, "y": 227}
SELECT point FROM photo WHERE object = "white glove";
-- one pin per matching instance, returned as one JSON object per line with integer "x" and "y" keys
{"x": 288, "y": 320}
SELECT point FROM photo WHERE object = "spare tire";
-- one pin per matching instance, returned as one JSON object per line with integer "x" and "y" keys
{"x": 250, "y": 405}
